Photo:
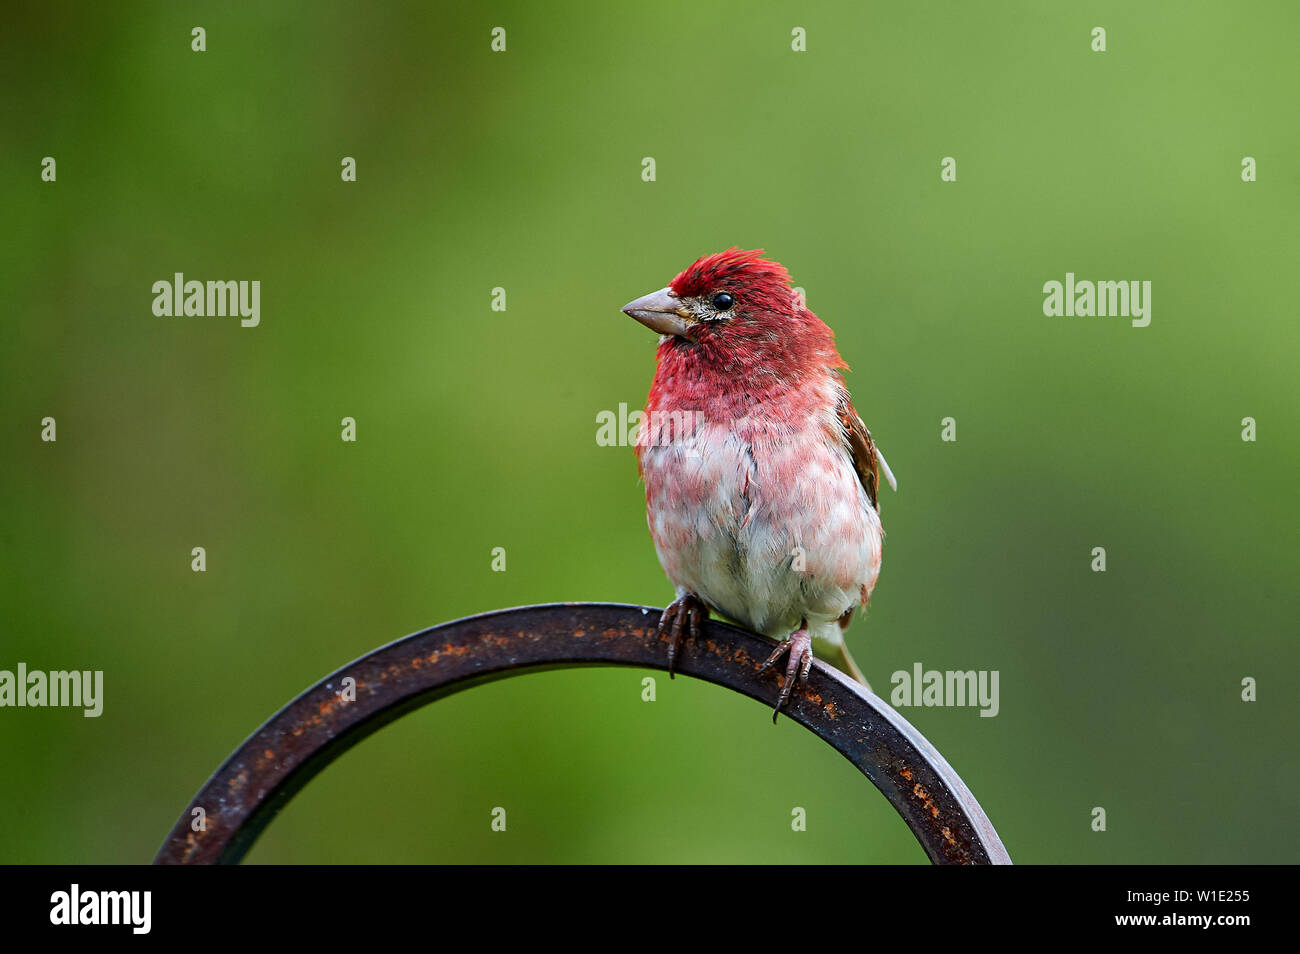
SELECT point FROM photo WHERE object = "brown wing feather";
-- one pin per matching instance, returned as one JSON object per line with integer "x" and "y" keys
{"x": 861, "y": 448}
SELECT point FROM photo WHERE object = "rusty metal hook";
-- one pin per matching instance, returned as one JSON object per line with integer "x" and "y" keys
{"x": 277, "y": 760}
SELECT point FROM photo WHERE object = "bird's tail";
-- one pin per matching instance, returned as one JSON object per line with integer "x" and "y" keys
{"x": 851, "y": 667}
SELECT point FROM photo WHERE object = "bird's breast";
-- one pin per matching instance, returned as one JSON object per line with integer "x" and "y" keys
{"x": 763, "y": 518}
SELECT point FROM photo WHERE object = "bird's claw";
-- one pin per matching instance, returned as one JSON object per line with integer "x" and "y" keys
{"x": 685, "y": 612}
{"x": 799, "y": 647}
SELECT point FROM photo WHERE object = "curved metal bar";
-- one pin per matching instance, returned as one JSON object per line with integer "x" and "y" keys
{"x": 277, "y": 760}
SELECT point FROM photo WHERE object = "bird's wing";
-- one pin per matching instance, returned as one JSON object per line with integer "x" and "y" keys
{"x": 867, "y": 459}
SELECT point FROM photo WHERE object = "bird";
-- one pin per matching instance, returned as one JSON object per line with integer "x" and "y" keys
{"x": 761, "y": 479}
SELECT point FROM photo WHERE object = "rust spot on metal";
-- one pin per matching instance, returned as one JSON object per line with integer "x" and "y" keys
{"x": 919, "y": 791}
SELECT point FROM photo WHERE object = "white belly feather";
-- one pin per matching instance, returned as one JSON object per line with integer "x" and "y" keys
{"x": 769, "y": 525}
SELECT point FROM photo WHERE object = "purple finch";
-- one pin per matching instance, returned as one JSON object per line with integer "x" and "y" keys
{"x": 761, "y": 479}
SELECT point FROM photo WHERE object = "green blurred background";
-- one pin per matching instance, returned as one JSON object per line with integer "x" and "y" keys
{"x": 476, "y": 429}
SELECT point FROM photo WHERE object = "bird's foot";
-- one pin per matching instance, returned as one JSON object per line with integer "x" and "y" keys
{"x": 799, "y": 647}
{"x": 684, "y": 613}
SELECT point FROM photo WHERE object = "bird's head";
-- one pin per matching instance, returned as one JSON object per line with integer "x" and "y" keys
{"x": 717, "y": 292}
{"x": 737, "y": 309}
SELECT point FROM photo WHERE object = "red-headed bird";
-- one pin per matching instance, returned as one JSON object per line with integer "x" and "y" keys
{"x": 761, "y": 479}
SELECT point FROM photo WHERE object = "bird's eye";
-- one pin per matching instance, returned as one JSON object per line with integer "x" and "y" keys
{"x": 722, "y": 301}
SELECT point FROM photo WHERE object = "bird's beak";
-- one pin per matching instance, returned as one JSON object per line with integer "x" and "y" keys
{"x": 660, "y": 311}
